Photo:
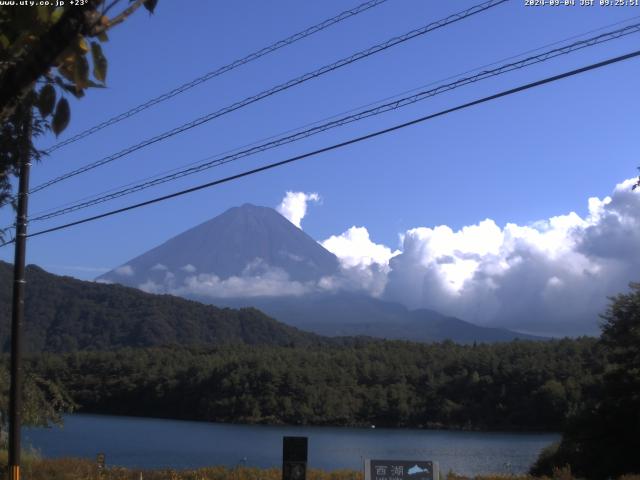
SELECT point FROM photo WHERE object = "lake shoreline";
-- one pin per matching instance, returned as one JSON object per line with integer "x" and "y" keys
{"x": 152, "y": 443}
{"x": 428, "y": 427}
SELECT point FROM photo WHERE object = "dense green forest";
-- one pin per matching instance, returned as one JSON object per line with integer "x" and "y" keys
{"x": 63, "y": 314}
{"x": 517, "y": 385}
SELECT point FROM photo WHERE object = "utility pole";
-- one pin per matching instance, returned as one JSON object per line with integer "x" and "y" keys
{"x": 17, "y": 312}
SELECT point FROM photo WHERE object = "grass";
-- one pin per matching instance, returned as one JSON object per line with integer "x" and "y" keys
{"x": 28, "y": 459}
{"x": 83, "y": 469}
{"x": 36, "y": 468}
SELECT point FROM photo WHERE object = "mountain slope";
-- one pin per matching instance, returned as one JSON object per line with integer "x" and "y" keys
{"x": 242, "y": 239}
{"x": 65, "y": 314}
{"x": 351, "y": 314}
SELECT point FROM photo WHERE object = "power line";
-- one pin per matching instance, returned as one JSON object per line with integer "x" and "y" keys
{"x": 219, "y": 71}
{"x": 394, "y": 105}
{"x": 352, "y": 141}
{"x": 279, "y": 88}
{"x": 318, "y": 122}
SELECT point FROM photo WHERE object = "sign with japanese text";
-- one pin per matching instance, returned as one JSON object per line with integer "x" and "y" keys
{"x": 400, "y": 470}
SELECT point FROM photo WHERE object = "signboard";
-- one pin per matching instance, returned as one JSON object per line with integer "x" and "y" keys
{"x": 400, "y": 470}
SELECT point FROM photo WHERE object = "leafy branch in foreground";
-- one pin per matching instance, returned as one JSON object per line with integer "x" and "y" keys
{"x": 44, "y": 401}
{"x": 46, "y": 54}
{"x": 601, "y": 440}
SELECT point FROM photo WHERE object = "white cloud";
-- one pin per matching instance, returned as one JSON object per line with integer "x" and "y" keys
{"x": 552, "y": 276}
{"x": 160, "y": 283}
{"x": 125, "y": 271}
{"x": 364, "y": 263}
{"x": 273, "y": 282}
{"x": 159, "y": 267}
{"x": 260, "y": 279}
{"x": 549, "y": 277}
{"x": 188, "y": 268}
{"x": 152, "y": 287}
{"x": 354, "y": 248}
{"x": 370, "y": 280}
{"x": 294, "y": 206}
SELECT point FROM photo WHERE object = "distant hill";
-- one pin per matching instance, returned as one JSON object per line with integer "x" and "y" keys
{"x": 351, "y": 314}
{"x": 64, "y": 314}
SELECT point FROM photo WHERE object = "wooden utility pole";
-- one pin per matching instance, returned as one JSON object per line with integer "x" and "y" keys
{"x": 17, "y": 312}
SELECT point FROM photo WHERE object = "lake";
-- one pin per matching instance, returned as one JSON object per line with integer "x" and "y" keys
{"x": 156, "y": 443}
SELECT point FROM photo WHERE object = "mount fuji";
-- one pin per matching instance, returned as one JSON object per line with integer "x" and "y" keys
{"x": 253, "y": 256}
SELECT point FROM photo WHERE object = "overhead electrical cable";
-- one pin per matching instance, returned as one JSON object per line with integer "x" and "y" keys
{"x": 336, "y": 146}
{"x": 318, "y": 122}
{"x": 219, "y": 71}
{"x": 394, "y": 105}
{"x": 279, "y": 88}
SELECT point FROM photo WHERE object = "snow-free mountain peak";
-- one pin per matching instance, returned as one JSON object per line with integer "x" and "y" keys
{"x": 243, "y": 241}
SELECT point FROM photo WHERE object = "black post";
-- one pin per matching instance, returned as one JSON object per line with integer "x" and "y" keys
{"x": 294, "y": 458}
{"x": 17, "y": 313}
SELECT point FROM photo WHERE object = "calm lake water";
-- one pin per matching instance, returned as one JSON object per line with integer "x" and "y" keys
{"x": 154, "y": 443}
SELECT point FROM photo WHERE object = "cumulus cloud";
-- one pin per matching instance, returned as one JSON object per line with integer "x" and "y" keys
{"x": 257, "y": 279}
{"x": 552, "y": 277}
{"x": 370, "y": 279}
{"x": 364, "y": 263}
{"x": 153, "y": 287}
{"x": 354, "y": 248}
{"x": 125, "y": 271}
{"x": 260, "y": 279}
{"x": 294, "y": 206}
{"x": 271, "y": 282}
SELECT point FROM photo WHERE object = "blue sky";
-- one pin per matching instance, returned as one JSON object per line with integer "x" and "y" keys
{"x": 520, "y": 159}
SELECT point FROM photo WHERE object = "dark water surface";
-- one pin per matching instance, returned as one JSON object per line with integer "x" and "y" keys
{"x": 155, "y": 443}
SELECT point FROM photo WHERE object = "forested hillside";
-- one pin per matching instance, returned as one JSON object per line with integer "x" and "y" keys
{"x": 63, "y": 314}
{"x": 517, "y": 385}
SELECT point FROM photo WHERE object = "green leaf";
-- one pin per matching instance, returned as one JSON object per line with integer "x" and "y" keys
{"x": 46, "y": 100}
{"x": 99, "y": 62}
{"x": 102, "y": 36}
{"x": 93, "y": 84}
{"x": 61, "y": 117}
{"x": 66, "y": 68}
{"x": 83, "y": 46}
{"x": 57, "y": 13}
{"x": 81, "y": 71}
{"x": 43, "y": 13}
{"x": 69, "y": 88}
{"x": 150, "y": 5}
{"x": 4, "y": 41}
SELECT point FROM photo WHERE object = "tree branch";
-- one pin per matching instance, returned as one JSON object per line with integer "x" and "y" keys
{"x": 19, "y": 77}
{"x": 122, "y": 16}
